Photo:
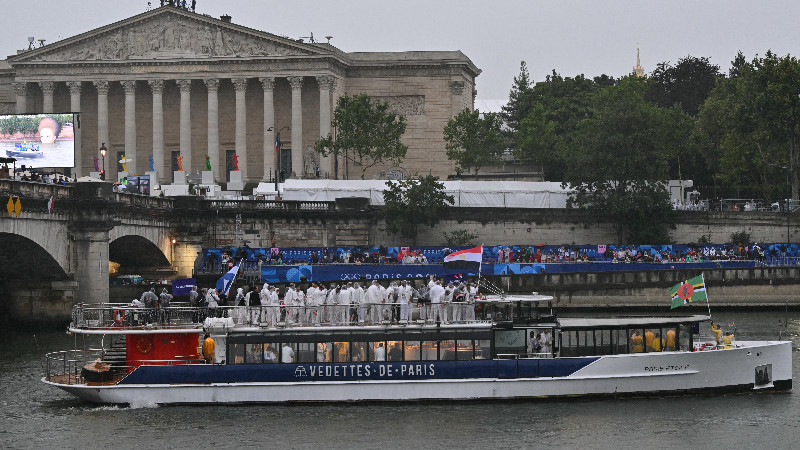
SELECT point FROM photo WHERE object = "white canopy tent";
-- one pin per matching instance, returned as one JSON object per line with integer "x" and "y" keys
{"x": 468, "y": 194}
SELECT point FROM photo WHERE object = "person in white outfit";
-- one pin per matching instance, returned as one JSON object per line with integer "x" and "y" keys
{"x": 309, "y": 309}
{"x": 289, "y": 304}
{"x": 345, "y": 295}
{"x": 331, "y": 304}
{"x": 273, "y": 307}
{"x": 299, "y": 305}
{"x": 373, "y": 299}
{"x": 319, "y": 303}
{"x": 213, "y": 301}
{"x": 447, "y": 303}
{"x": 241, "y": 309}
{"x": 404, "y": 297}
{"x": 437, "y": 294}
{"x": 382, "y": 304}
{"x": 472, "y": 293}
{"x": 263, "y": 299}
{"x": 361, "y": 302}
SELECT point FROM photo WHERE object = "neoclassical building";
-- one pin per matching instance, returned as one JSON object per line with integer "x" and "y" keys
{"x": 171, "y": 82}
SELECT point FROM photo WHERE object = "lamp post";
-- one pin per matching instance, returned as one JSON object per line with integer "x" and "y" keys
{"x": 103, "y": 150}
{"x": 278, "y": 145}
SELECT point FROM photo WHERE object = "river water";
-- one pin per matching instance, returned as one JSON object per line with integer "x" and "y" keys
{"x": 35, "y": 415}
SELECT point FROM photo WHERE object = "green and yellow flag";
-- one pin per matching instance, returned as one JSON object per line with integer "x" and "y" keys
{"x": 691, "y": 290}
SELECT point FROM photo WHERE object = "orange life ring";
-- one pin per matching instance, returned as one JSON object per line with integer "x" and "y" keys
{"x": 119, "y": 316}
{"x": 145, "y": 345}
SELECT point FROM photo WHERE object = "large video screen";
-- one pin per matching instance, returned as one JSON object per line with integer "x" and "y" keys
{"x": 38, "y": 140}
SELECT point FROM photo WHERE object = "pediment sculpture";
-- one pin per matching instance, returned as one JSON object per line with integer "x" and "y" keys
{"x": 170, "y": 37}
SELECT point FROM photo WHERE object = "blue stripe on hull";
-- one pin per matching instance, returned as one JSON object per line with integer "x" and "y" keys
{"x": 418, "y": 370}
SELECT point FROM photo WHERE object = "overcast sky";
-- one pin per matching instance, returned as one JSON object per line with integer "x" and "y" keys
{"x": 572, "y": 37}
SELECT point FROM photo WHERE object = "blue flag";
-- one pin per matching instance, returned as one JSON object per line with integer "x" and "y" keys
{"x": 224, "y": 284}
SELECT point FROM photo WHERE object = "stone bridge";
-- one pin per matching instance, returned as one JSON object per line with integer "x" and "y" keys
{"x": 52, "y": 258}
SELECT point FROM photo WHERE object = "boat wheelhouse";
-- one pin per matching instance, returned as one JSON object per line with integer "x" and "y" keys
{"x": 517, "y": 348}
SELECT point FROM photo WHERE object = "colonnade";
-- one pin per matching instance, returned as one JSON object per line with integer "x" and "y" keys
{"x": 162, "y": 163}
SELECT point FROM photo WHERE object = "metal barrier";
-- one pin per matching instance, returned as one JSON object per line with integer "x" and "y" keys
{"x": 66, "y": 366}
{"x": 121, "y": 317}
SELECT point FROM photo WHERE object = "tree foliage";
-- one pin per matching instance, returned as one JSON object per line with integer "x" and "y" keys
{"x": 367, "y": 133}
{"x": 414, "y": 202}
{"x": 751, "y": 124}
{"x": 558, "y": 104}
{"x": 474, "y": 141}
{"x": 686, "y": 84}
{"x": 519, "y": 99}
{"x": 619, "y": 165}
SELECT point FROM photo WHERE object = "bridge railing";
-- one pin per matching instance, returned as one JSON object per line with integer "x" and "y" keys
{"x": 143, "y": 200}
{"x": 283, "y": 205}
{"x": 33, "y": 189}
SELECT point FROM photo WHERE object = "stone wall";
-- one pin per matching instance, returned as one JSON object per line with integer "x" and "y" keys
{"x": 492, "y": 226}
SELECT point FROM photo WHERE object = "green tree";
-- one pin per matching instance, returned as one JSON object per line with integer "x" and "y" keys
{"x": 414, "y": 202}
{"x": 558, "y": 104}
{"x": 474, "y": 141}
{"x": 687, "y": 84}
{"x": 519, "y": 99}
{"x": 619, "y": 165}
{"x": 367, "y": 133}
{"x": 752, "y": 122}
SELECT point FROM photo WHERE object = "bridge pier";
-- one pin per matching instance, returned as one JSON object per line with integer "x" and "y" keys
{"x": 91, "y": 268}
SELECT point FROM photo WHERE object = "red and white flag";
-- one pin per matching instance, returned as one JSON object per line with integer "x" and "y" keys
{"x": 464, "y": 259}
{"x": 50, "y": 204}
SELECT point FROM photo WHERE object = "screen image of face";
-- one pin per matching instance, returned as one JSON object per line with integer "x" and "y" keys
{"x": 38, "y": 140}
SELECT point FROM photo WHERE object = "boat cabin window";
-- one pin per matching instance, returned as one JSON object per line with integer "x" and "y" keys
{"x": 464, "y": 351}
{"x": 359, "y": 351}
{"x": 595, "y": 342}
{"x": 428, "y": 351}
{"x": 407, "y": 345}
{"x": 412, "y": 351}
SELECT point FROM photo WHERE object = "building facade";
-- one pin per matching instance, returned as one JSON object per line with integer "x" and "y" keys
{"x": 170, "y": 82}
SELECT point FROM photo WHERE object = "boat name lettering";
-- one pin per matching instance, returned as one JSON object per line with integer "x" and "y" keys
{"x": 366, "y": 370}
{"x": 665, "y": 368}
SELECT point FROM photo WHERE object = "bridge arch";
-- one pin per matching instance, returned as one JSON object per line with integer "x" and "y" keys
{"x": 23, "y": 259}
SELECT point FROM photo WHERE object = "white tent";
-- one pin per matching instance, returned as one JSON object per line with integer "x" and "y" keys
{"x": 468, "y": 194}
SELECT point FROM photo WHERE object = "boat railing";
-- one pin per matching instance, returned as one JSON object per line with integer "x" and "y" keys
{"x": 123, "y": 316}
{"x": 67, "y": 366}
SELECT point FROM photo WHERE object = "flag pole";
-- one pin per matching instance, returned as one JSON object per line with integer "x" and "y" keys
{"x": 702, "y": 275}
{"x": 480, "y": 266}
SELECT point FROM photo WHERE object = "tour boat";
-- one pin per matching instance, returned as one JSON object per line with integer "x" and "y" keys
{"x": 155, "y": 356}
{"x": 24, "y": 150}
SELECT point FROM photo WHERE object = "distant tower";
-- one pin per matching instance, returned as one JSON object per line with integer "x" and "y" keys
{"x": 638, "y": 70}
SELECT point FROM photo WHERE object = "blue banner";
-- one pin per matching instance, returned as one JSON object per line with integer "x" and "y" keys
{"x": 183, "y": 286}
{"x": 355, "y": 272}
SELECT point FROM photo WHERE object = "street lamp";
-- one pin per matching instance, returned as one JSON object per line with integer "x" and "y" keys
{"x": 278, "y": 153}
{"x": 103, "y": 151}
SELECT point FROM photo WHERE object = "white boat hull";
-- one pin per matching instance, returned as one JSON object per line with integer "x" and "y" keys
{"x": 661, "y": 374}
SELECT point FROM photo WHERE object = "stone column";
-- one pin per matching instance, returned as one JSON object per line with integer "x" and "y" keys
{"x": 326, "y": 85}
{"x": 297, "y": 126}
{"x": 89, "y": 231}
{"x": 102, "y": 123}
{"x": 213, "y": 126}
{"x": 21, "y": 90}
{"x": 75, "y": 107}
{"x": 159, "y": 162}
{"x": 47, "y": 91}
{"x": 185, "y": 87}
{"x": 130, "y": 125}
{"x": 270, "y": 157}
{"x": 240, "y": 85}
